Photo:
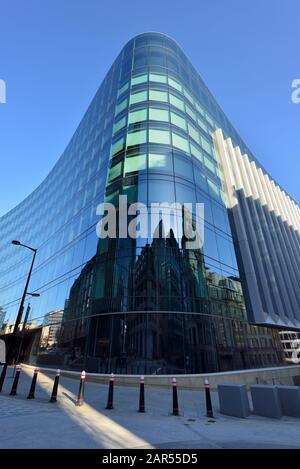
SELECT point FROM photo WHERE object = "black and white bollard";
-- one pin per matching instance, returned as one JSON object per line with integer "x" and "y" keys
{"x": 80, "y": 397}
{"x": 33, "y": 384}
{"x": 55, "y": 387}
{"x": 142, "y": 395}
{"x": 175, "y": 397}
{"x": 209, "y": 410}
{"x": 2, "y": 377}
{"x": 110, "y": 396}
{"x": 13, "y": 391}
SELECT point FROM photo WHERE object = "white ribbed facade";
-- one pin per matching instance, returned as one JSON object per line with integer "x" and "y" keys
{"x": 266, "y": 224}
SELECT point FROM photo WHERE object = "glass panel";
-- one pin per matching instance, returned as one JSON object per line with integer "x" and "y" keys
{"x": 136, "y": 138}
{"x": 209, "y": 120}
{"x": 177, "y": 120}
{"x": 183, "y": 168}
{"x": 138, "y": 97}
{"x": 135, "y": 163}
{"x": 199, "y": 108}
{"x": 174, "y": 84}
{"x": 117, "y": 146}
{"x": 158, "y": 115}
{"x": 176, "y": 102}
{"x": 213, "y": 189}
{"x": 190, "y": 112}
{"x": 155, "y": 95}
{"x": 210, "y": 243}
{"x": 194, "y": 133}
{"x": 209, "y": 164}
{"x": 188, "y": 96}
{"x": 161, "y": 190}
{"x": 115, "y": 171}
{"x": 202, "y": 125}
{"x": 123, "y": 88}
{"x": 139, "y": 79}
{"x": 157, "y": 161}
{"x": 158, "y": 78}
{"x": 180, "y": 142}
{"x": 200, "y": 179}
{"x": 197, "y": 153}
{"x": 185, "y": 194}
{"x": 206, "y": 145}
{"x": 121, "y": 106}
{"x": 159, "y": 136}
{"x": 119, "y": 125}
{"x": 137, "y": 116}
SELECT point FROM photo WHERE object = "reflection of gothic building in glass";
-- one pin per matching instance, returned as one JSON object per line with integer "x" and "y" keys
{"x": 291, "y": 346}
{"x": 145, "y": 305}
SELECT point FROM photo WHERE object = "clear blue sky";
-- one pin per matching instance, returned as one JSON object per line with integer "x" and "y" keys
{"x": 55, "y": 53}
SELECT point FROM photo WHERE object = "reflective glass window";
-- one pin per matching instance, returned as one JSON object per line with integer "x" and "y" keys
{"x": 206, "y": 145}
{"x": 119, "y": 124}
{"x": 209, "y": 164}
{"x": 202, "y": 124}
{"x": 115, "y": 171}
{"x": 176, "y": 102}
{"x": 196, "y": 152}
{"x": 158, "y": 78}
{"x": 193, "y": 132}
{"x": 159, "y": 136}
{"x": 123, "y": 88}
{"x": 138, "y": 97}
{"x": 220, "y": 218}
{"x": 185, "y": 194}
{"x": 199, "y": 108}
{"x": 158, "y": 115}
{"x": 174, "y": 84}
{"x": 209, "y": 120}
{"x": 137, "y": 116}
{"x": 213, "y": 189}
{"x": 183, "y": 168}
{"x": 135, "y": 163}
{"x": 178, "y": 121}
{"x": 117, "y": 146}
{"x": 139, "y": 79}
{"x": 161, "y": 190}
{"x": 136, "y": 138}
{"x": 180, "y": 142}
{"x": 188, "y": 95}
{"x": 200, "y": 179}
{"x": 190, "y": 112}
{"x": 121, "y": 106}
{"x": 155, "y": 95}
{"x": 158, "y": 161}
{"x": 210, "y": 243}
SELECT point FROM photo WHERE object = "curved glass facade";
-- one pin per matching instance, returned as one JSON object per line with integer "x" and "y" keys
{"x": 145, "y": 305}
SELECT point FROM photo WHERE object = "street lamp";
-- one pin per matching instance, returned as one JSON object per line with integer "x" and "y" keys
{"x": 34, "y": 295}
{"x": 20, "y": 312}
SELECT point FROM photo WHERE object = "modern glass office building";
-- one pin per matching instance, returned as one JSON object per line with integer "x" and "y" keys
{"x": 145, "y": 305}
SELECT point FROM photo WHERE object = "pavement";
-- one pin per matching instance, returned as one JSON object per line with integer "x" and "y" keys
{"x": 38, "y": 424}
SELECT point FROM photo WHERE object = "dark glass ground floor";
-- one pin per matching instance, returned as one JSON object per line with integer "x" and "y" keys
{"x": 154, "y": 343}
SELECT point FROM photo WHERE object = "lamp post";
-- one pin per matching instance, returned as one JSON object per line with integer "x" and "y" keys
{"x": 20, "y": 312}
{"x": 23, "y": 328}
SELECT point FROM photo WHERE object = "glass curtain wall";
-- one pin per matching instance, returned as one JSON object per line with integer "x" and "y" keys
{"x": 145, "y": 305}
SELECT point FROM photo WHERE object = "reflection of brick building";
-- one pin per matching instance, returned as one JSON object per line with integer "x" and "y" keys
{"x": 51, "y": 328}
{"x": 291, "y": 346}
